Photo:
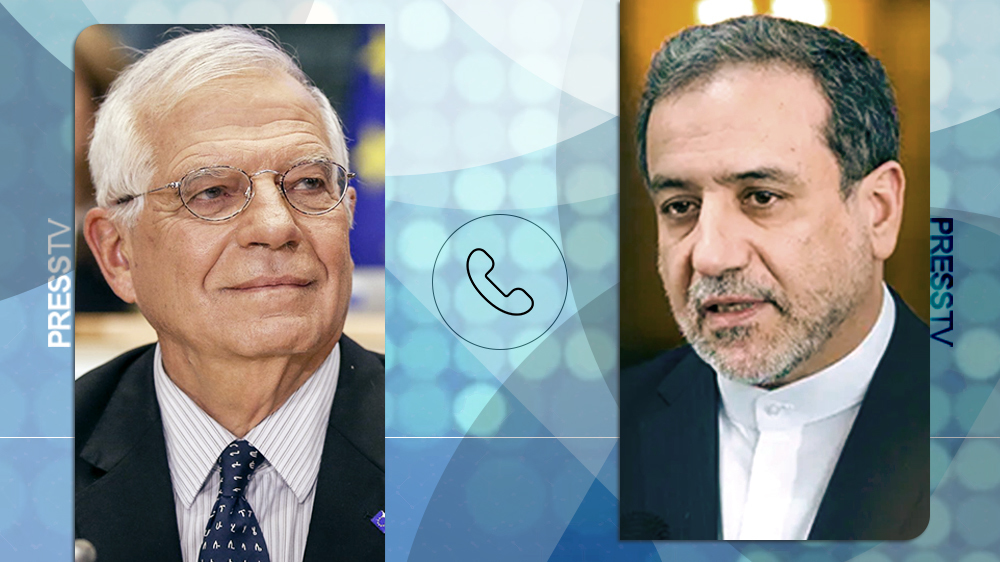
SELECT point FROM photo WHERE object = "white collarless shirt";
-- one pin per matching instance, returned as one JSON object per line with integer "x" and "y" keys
{"x": 778, "y": 448}
{"x": 282, "y": 490}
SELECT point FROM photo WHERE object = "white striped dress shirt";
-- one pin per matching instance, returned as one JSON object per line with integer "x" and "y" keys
{"x": 282, "y": 490}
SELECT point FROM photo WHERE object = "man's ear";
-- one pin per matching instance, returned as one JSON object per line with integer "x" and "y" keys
{"x": 107, "y": 242}
{"x": 881, "y": 196}
{"x": 352, "y": 198}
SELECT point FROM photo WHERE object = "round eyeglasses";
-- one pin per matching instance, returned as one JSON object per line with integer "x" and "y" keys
{"x": 217, "y": 193}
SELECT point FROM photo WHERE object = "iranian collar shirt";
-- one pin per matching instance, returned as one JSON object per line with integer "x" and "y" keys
{"x": 778, "y": 448}
{"x": 282, "y": 490}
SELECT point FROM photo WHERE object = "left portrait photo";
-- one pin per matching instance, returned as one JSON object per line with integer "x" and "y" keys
{"x": 230, "y": 282}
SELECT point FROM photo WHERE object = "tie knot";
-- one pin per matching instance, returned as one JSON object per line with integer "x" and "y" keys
{"x": 238, "y": 460}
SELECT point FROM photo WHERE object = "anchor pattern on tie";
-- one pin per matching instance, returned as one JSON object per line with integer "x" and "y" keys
{"x": 233, "y": 533}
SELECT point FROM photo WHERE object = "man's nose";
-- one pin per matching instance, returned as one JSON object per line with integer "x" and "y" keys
{"x": 269, "y": 220}
{"x": 720, "y": 239}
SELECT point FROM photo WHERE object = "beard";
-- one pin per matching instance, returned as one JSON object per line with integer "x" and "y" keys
{"x": 753, "y": 354}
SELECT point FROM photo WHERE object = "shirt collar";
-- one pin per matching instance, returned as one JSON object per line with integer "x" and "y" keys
{"x": 291, "y": 438}
{"x": 830, "y": 391}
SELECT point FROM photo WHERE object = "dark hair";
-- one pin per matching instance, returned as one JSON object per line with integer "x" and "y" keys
{"x": 862, "y": 130}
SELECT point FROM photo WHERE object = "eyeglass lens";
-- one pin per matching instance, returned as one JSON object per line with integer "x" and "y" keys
{"x": 220, "y": 192}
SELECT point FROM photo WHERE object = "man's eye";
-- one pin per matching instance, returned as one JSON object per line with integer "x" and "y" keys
{"x": 762, "y": 198}
{"x": 679, "y": 209}
{"x": 209, "y": 194}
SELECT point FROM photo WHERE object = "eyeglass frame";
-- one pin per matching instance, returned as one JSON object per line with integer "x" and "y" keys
{"x": 279, "y": 176}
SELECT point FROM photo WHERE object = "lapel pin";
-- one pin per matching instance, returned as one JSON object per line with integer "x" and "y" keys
{"x": 379, "y": 521}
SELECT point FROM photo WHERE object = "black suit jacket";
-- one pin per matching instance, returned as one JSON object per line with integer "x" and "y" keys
{"x": 880, "y": 488}
{"x": 124, "y": 498}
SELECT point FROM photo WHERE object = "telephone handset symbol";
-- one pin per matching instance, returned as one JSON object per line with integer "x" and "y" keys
{"x": 508, "y": 304}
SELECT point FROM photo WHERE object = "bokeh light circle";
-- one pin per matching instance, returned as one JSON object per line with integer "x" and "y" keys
{"x": 14, "y": 494}
{"x": 479, "y": 409}
{"x": 479, "y": 134}
{"x": 416, "y": 243}
{"x": 531, "y": 130}
{"x": 940, "y": 24}
{"x": 423, "y": 411}
{"x": 977, "y": 353}
{"x": 424, "y": 24}
{"x": 975, "y": 24}
{"x": 940, "y": 410}
{"x": 976, "y": 298}
{"x": 505, "y": 496}
{"x": 479, "y": 77}
{"x": 591, "y": 244}
{"x": 534, "y": 25}
{"x": 977, "y": 465}
{"x": 976, "y": 521}
{"x": 939, "y": 526}
{"x": 940, "y": 187}
{"x": 427, "y": 353}
{"x": 148, "y": 12}
{"x": 533, "y": 186}
{"x": 482, "y": 188}
{"x": 591, "y": 188}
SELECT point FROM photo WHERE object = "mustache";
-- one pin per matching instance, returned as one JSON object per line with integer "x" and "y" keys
{"x": 731, "y": 284}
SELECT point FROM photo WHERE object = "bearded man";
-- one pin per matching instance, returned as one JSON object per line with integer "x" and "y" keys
{"x": 799, "y": 410}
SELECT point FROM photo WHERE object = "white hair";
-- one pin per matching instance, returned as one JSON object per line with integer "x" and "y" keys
{"x": 121, "y": 155}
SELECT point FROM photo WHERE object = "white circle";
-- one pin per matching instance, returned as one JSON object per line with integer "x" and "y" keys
{"x": 424, "y": 24}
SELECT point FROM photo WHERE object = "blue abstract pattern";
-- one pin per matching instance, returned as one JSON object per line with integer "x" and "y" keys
{"x": 494, "y": 107}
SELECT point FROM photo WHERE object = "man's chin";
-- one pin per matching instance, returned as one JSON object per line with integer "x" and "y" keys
{"x": 744, "y": 362}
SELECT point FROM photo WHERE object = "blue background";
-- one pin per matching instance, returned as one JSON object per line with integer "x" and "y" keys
{"x": 494, "y": 106}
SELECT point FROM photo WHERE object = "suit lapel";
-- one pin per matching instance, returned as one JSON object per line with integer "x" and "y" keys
{"x": 128, "y": 512}
{"x": 879, "y": 489}
{"x": 688, "y": 488}
{"x": 350, "y": 489}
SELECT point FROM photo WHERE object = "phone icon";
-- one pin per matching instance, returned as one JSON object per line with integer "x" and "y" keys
{"x": 509, "y": 302}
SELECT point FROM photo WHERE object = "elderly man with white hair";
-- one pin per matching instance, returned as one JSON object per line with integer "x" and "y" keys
{"x": 253, "y": 429}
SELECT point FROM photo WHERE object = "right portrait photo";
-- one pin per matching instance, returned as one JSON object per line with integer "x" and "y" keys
{"x": 774, "y": 290}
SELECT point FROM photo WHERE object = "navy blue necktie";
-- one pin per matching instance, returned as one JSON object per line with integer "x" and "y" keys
{"x": 233, "y": 534}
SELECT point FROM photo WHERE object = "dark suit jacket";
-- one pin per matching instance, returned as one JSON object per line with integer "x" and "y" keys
{"x": 124, "y": 498}
{"x": 880, "y": 488}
